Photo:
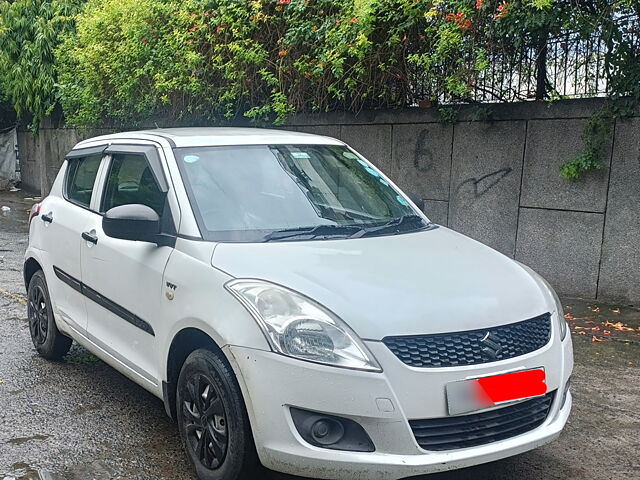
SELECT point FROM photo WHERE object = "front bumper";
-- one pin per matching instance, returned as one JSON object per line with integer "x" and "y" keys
{"x": 382, "y": 403}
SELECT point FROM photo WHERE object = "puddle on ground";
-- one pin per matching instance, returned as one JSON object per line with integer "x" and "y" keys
{"x": 22, "y": 320}
{"x": 21, "y": 440}
{"x": 22, "y": 471}
{"x": 15, "y": 214}
{"x": 96, "y": 470}
{"x": 81, "y": 357}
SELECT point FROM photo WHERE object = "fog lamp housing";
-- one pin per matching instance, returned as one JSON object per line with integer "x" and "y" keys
{"x": 330, "y": 431}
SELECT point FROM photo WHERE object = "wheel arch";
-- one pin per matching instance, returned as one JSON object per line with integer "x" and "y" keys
{"x": 183, "y": 344}
{"x": 31, "y": 266}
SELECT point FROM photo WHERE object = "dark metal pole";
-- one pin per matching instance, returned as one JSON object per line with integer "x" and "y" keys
{"x": 541, "y": 68}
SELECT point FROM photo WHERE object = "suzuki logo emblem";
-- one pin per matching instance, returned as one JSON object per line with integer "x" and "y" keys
{"x": 491, "y": 346}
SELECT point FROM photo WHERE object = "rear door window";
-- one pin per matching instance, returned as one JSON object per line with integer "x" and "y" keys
{"x": 80, "y": 179}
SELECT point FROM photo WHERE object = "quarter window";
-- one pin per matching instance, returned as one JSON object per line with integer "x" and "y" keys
{"x": 130, "y": 180}
{"x": 81, "y": 176}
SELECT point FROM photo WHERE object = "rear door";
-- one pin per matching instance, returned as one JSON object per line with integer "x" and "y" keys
{"x": 63, "y": 218}
{"x": 123, "y": 278}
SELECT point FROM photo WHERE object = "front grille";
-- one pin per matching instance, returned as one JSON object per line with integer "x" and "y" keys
{"x": 472, "y": 347}
{"x": 464, "y": 431}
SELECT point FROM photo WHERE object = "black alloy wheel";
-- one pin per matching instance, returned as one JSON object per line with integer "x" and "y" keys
{"x": 212, "y": 419}
{"x": 38, "y": 315}
{"x": 205, "y": 421}
{"x": 46, "y": 337}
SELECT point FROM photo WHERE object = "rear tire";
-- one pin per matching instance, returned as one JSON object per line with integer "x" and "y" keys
{"x": 49, "y": 342}
{"x": 213, "y": 420}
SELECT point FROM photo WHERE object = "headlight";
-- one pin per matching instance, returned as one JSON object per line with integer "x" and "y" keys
{"x": 299, "y": 327}
{"x": 562, "y": 323}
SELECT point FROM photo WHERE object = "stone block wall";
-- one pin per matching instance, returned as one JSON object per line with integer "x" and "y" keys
{"x": 496, "y": 181}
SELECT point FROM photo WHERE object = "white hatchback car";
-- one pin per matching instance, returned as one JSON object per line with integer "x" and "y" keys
{"x": 292, "y": 307}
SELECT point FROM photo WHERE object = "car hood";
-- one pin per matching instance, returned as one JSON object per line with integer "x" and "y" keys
{"x": 432, "y": 281}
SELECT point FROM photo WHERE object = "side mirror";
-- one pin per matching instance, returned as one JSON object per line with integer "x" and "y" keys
{"x": 417, "y": 200}
{"x": 132, "y": 222}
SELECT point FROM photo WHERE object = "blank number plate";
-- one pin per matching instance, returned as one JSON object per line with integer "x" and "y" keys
{"x": 479, "y": 393}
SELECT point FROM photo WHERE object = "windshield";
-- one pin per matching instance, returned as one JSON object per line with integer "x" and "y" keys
{"x": 262, "y": 193}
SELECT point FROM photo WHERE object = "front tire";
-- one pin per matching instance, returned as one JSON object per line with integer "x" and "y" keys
{"x": 49, "y": 342}
{"x": 213, "y": 421}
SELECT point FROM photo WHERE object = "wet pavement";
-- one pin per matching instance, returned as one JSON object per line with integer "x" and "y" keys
{"x": 79, "y": 419}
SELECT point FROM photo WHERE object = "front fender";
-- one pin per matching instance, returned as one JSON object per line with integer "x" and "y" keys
{"x": 200, "y": 301}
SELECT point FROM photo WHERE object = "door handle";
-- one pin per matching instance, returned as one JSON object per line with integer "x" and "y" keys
{"x": 47, "y": 218}
{"x": 90, "y": 237}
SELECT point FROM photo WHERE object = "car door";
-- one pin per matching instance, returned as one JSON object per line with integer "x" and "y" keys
{"x": 64, "y": 217}
{"x": 123, "y": 278}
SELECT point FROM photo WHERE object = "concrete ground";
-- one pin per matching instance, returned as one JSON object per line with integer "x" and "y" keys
{"x": 80, "y": 419}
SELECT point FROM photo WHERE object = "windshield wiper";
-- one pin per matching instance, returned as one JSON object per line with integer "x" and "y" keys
{"x": 345, "y": 231}
{"x": 312, "y": 232}
{"x": 395, "y": 225}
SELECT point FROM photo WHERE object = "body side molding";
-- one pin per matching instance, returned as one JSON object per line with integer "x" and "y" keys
{"x": 103, "y": 301}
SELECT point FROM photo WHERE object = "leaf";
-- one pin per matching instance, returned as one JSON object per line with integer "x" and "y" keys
{"x": 541, "y": 4}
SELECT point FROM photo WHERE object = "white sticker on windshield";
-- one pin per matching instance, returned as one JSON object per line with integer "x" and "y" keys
{"x": 372, "y": 172}
{"x": 300, "y": 155}
{"x": 350, "y": 155}
{"x": 402, "y": 201}
{"x": 191, "y": 158}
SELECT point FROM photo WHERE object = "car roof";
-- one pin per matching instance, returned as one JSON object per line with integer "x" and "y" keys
{"x": 213, "y": 136}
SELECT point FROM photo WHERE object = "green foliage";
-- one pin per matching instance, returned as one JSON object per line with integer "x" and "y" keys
{"x": 123, "y": 62}
{"x": 215, "y": 60}
{"x": 597, "y": 137}
{"x": 541, "y": 4}
{"x": 29, "y": 32}
{"x": 622, "y": 64}
{"x": 448, "y": 115}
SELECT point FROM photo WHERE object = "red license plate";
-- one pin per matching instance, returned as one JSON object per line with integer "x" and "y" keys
{"x": 479, "y": 393}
